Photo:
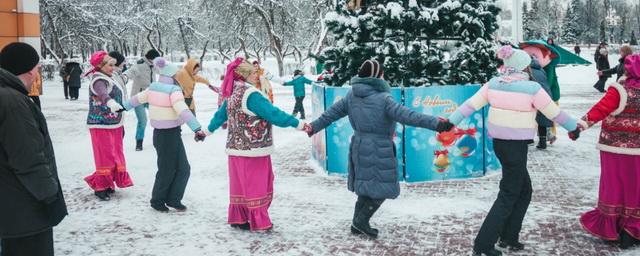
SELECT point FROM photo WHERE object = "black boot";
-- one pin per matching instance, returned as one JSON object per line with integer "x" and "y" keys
{"x": 103, "y": 195}
{"x": 302, "y": 116}
{"x": 490, "y": 252}
{"x": 244, "y": 226}
{"x": 356, "y": 211}
{"x": 513, "y": 246}
{"x": 160, "y": 207}
{"x": 361, "y": 221}
{"x": 110, "y": 191}
{"x": 178, "y": 206}
{"x": 542, "y": 142}
{"x": 627, "y": 241}
{"x": 138, "y": 145}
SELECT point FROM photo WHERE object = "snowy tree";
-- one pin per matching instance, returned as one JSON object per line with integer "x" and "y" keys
{"x": 527, "y": 20}
{"x": 571, "y": 23}
{"x": 419, "y": 42}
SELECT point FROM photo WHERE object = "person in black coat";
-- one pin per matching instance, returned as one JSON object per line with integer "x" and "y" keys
{"x": 74, "y": 72}
{"x": 618, "y": 70}
{"x": 539, "y": 75}
{"x": 30, "y": 191}
{"x": 65, "y": 79}
{"x": 577, "y": 50}
{"x": 602, "y": 63}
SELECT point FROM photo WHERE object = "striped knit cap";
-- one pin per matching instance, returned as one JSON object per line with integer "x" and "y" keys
{"x": 371, "y": 68}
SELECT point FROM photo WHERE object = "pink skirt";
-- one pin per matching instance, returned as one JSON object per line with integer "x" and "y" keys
{"x": 108, "y": 154}
{"x": 250, "y": 191}
{"x": 618, "y": 200}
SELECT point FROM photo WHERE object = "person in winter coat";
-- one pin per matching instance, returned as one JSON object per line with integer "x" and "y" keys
{"x": 538, "y": 75}
{"x": 618, "y": 70}
{"x": 168, "y": 112}
{"x": 30, "y": 191}
{"x": 121, "y": 66}
{"x": 372, "y": 157}
{"x": 616, "y": 215}
{"x": 36, "y": 89}
{"x": 298, "y": 82}
{"x": 65, "y": 78}
{"x": 142, "y": 74}
{"x": 187, "y": 78}
{"x": 577, "y": 50}
{"x": 514, "y": 100}
{"x": 74, "y": 73}
{"x": 602, "y": 63}
{"x": 250, "y": 116}
{"x": 263, "y": 83}
{"x": 105, "y": 121}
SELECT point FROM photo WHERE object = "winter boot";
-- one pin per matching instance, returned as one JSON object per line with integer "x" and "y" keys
{"x": 490, "y": 252}
{"x": 103, "y": 195}
{"x": 356, "y": 211}
{"x": 138, "y": 145}
{"x": 302, "y": 115}
{"x": 160, "y": 207}
{"x": 361, "y": 221}
{"x": 627, "y": 241}
{"x": 244, "y": 226}
{"x": 513, "y": 246}
{"x": 110, "y": 191}
{"x": 542, "y": 142}
{"x": 178, "y": 206}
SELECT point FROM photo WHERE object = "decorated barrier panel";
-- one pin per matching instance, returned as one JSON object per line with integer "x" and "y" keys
{"x": 422, "y": 154}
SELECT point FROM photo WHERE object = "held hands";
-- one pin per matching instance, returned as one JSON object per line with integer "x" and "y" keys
{"x": 444, "y": 125}
{"x": 600, "y": 73}
{"x": 114, "y": 106}
{"x": 200, "y": 136}
{"x": 308, "y": 129}
{"x": 575, "y": 134}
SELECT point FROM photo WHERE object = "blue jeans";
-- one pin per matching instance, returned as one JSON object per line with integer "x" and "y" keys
{"x": 141, "y": 114}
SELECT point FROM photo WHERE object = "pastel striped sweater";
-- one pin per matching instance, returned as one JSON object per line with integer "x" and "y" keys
{"x": 514, "y": 101}
{"x": 167, "y": 108}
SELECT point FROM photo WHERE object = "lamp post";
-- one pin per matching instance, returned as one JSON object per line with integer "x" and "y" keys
{"x": 516, "y": 20}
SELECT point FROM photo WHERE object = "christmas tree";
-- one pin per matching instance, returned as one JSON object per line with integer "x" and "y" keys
{"x": 420, "y": 42}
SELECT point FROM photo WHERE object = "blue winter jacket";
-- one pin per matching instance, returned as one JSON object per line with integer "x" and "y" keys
{"x": 373, "y": 114}
{"x": 298, "y": 83}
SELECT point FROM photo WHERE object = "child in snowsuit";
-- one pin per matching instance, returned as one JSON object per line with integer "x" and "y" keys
{"x": 298, "y": 82}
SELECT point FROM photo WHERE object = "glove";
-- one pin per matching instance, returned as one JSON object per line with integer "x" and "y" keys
{"x": 114, "y": 106}
{"x": 308, "y": 129}
{"x": 200, "y": 136}
{"x": 444, "y": 126}
{"x": 575, "y": 134}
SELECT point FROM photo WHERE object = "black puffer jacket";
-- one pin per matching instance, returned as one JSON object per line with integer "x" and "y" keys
{"x": 30, "y": 192}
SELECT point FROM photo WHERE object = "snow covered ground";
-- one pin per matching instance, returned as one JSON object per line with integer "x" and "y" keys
{"x": 311, "y": 211}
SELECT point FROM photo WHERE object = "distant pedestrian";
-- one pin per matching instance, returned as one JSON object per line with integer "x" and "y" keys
{"x": 577, "y": 50}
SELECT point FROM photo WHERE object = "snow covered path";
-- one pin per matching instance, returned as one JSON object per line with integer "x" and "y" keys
{"x": 311, "y": 211}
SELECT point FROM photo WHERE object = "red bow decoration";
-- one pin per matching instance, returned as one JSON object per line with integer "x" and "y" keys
{"x": 460, "y": 132}
{"x": 441, "y": 152}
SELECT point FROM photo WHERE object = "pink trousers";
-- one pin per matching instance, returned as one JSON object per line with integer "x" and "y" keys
{"x": 251, "y": 191}
{"x": 108, "y": 154}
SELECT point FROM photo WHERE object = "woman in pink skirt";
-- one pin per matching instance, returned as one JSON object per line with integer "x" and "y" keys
{"x": 617, "y": 216}
{"x": 105, "y": 121}
{"x": 250, "y": 115}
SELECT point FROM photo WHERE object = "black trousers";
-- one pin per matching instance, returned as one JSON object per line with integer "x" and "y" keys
{"x": 601, "y": 83}
{"x": 40, "y": 244}
{"x": 369, "y": 200}
{"x": 66, "y": 89}
{"x": 542, "y": 131}
{"x": 173, "y": 167}
{"x": 36, "y": 100}
{"x": 299, "y": 107}
{"x": 73, "y": 92}
{"x": 504, "y": 220}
